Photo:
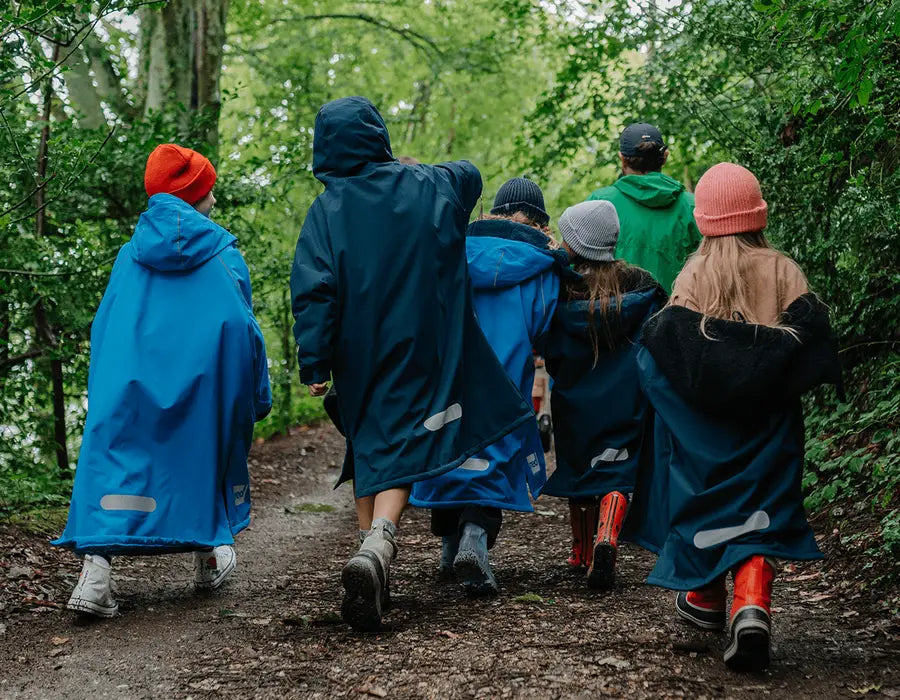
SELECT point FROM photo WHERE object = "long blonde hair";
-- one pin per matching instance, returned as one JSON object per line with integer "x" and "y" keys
{"x": 727, "y": 276}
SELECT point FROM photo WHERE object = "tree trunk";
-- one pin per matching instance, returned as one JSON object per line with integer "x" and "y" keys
{"x": 209, "y": 43}
{"x": 181, "y": 51}
{"x": 41, "y": 322}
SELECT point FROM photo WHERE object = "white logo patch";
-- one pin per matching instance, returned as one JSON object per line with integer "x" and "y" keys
{"x": 439, "y": 420}
{"x": 240, "y": 494}
{"x": 610, "y": 454}
{"x": 534, "y": 463}
{"x": 118, "y": 501}
{"x": 474, "y": 464}
{"x": 705, "y": 539}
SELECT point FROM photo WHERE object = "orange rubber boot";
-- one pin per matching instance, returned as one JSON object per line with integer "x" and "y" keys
{"x": 583, "y": 519}
{"x": 751, "y": 615}
{"x": 704, "y": 607}
{"x": 602, "y": 572}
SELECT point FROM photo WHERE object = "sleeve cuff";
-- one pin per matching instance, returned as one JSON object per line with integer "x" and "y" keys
{"x": 315, "y": 374}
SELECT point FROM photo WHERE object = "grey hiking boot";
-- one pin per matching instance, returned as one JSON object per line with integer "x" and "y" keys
{"x": 471, "y": 563}
{"x": 449, "y": 549}
{"x": 366, "y": 578}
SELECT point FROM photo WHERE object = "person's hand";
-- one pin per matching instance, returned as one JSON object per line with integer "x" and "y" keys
{"x": 317, "y": 389}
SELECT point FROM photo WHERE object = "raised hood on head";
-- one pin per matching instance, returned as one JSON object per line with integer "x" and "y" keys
{"x": 349, "y": 134}
{"x": 653, "y": 190}
{"x": 171, "y": 235}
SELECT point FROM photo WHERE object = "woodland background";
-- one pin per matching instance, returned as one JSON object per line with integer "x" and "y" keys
{"x": 806, "y": 93}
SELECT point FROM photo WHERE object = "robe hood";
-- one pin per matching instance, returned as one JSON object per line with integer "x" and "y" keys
{"x": 637, "y": 305}
{"x": 495, "y": 263}
{"x": 349, "y": 134}
{"x": 173, "y": 236}
{"x": 504, "y": 253}
{"x": 653, "y": 190}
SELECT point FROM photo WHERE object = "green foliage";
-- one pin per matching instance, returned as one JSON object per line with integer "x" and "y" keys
{"x": 853, "y": 449}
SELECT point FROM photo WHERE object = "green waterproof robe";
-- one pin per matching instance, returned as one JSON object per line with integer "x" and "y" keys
{"x": 656, "y": 216}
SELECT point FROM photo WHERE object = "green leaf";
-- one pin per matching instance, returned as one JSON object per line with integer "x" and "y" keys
{"x": 865, "y": 91}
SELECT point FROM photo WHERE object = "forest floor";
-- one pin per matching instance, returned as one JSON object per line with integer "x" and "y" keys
{"x": 274, "y": 631}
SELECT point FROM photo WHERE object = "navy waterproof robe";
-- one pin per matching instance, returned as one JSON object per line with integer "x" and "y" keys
{"x": 383, "y": 304}
{"x": 729, "y": 440}
{"x": 178, "y": 377}
{"x": 516, "y": 281}
{"x": 601, "y": 420}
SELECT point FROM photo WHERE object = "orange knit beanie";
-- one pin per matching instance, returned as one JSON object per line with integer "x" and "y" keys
{"x": 179, "y": 171}
{"x": 728, "y": 200}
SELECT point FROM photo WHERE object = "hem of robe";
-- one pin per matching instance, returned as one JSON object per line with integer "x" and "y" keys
{"x": 410, "y": 479}
{"x": 117, "y": 545}
{"x": 487, "y": 502}
{"x": 733, "y": 556}
{"x": 584, "y": 493}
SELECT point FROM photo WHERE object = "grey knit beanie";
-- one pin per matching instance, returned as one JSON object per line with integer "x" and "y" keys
{"x": 524, "y": 195}
{"x": 591, "y": 229}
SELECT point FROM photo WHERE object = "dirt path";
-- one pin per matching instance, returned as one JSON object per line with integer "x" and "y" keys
{"x": 273, "y": 632}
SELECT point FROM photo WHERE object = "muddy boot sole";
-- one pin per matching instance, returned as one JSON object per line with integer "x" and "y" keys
{"x": 748, "y": 648}
{"x": 363, "y": 594}
{"x": 476, "y": 580}
{"x": 602, "y": 574}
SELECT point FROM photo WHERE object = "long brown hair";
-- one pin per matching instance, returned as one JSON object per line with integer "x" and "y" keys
{"x": 728, "y": 271}
{"x": 602, "y": 282}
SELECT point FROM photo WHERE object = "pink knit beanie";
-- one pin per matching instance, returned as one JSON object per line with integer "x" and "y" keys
{"x": 728, "y": 200}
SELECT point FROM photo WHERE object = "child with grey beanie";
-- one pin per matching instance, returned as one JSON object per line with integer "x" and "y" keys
{"x": 590, "y": 355}
{"x": 590, "y": 230}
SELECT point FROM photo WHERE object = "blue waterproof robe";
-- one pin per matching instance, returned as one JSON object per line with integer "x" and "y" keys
{"x": 178, "y": 376}
{"x": 516, "y": 288}
{"x": 601, "y": 420}
{"x": 382, "y": 304}
{"x": 726, "y": 481}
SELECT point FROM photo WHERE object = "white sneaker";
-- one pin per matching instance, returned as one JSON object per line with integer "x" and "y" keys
{"x": 93, "y": 592}
{"x": 212, "y": 568}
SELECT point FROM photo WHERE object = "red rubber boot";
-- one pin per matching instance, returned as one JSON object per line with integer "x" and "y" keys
{"x": 583, "y": 519}
{"x": 751, "y": 616}
{"x": 704, "y": 607}
{"x": 602, "y": 572}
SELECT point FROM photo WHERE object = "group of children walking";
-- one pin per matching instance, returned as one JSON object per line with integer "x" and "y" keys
{"x": 676, "y": 419}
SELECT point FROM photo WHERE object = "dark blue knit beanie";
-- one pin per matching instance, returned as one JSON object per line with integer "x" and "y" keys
{"x": 524, "y": 195}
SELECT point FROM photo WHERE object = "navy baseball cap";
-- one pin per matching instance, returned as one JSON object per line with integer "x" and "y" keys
{"x": 636, "y": 134}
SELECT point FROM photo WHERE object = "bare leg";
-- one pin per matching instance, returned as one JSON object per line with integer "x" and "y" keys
{"x": 365, "y": 507}
{"x": 390, "y": 504}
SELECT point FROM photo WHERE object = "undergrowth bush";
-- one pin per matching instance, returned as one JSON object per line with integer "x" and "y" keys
{"x": 853, "y": 454}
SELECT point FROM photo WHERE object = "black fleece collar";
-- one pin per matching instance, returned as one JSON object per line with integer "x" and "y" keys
{"x": 746, "y": 367}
